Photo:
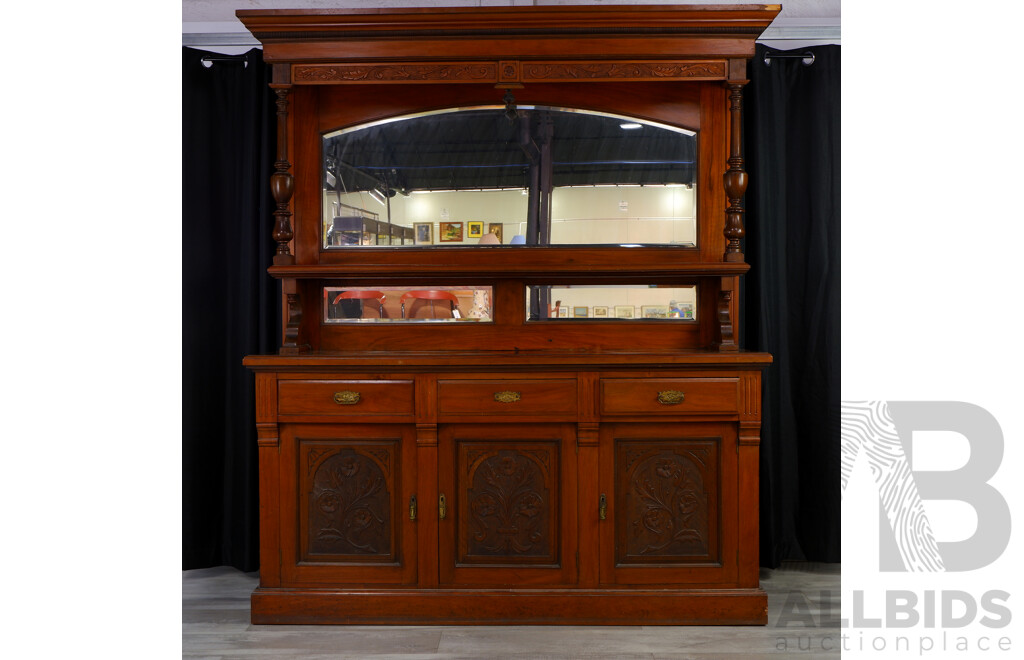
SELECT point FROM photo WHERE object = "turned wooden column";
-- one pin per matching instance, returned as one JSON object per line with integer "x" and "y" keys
{"x": 735, "y": 177}
{"x": 282, "y": 183}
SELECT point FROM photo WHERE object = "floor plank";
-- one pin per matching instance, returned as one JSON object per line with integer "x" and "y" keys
{"x": 803, "y": 608}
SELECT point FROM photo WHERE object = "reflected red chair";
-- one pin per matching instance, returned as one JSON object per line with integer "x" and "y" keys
{"x": 429, "y": 297}
{"x": 364, "y": 296}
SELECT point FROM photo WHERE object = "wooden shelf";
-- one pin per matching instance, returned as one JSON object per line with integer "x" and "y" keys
{"x": 529, "y": 263}
{"x": 435, "y": 360}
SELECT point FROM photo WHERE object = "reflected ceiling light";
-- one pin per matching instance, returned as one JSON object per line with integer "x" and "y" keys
{"x": 630, "y": 126}
{"x": 379, "y": 196}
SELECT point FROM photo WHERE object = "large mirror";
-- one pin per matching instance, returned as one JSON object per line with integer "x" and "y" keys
{"x": 498, "y": 176}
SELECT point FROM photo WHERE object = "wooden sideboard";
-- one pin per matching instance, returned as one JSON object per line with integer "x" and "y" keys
{"x": 528, "y": 466}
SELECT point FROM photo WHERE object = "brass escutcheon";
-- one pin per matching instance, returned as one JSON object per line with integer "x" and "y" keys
{"x": 602, "y": 507}
{"x": 507, "y": 396}
{"x": 442, "y": 507}
{"x": 412, "y": 508}
{"x": 346, "y": 397}
{"x": 670, "y": 397}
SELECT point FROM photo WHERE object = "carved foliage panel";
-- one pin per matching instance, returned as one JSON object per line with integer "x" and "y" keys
{"x": 348, "y": 500}
{"x": 667, "y": 501}
{"x": 508, "y": 502}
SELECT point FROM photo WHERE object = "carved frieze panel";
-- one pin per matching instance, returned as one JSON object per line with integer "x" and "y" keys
{"x": 348, "y": 501}
{"x": 398, "y": 72}
{"x": 666, "y": 501}
{"x": 552, "y": 71}
{"x": 507, "y": 71}
{"x": 509, "y": 502}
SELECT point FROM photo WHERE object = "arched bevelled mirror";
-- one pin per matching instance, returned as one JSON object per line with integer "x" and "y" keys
{"x": 485, "y": 176}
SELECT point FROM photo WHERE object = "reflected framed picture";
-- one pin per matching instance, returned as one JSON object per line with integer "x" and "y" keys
{"x": 600, "y": 312}
{"x": 686, "y": 311}
{"x": 563, "y": 312}
{"x": 474, "y": 229}
{"x": 424, "y": 233}
{"x": 496, "y": 228}
{"x": 624, "y": 311}
{"x": 450, "y": 232}
{"x": 580, "y": 312}
{"x": 654, "y": 311}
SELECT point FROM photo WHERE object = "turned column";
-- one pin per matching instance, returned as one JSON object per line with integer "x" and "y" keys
{"x": 282, "y": 183}
{"x": 735, "y": 177}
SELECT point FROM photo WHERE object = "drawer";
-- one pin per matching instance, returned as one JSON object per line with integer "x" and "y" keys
{"x": 510, "y": 397}
{"x": 345, "y": 397}
{"x": 669, "y": 396}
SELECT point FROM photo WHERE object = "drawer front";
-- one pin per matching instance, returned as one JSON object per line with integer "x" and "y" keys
{"x": 669, "y": 396}
{"x": 507, "y": 397}
{"x": 345, "y": 397}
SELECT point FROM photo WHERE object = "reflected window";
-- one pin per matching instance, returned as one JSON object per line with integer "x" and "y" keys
{"x": 548, "y": 176}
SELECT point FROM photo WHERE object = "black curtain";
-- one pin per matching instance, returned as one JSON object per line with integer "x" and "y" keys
{"x": 791, "y": 304}
{"x": 230, "y": 304}
{"x": 791, "y": 300}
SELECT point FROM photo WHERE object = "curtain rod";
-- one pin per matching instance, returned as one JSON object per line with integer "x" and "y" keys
{"x": 208, "y": 61}
{"x": 806, "y": 58}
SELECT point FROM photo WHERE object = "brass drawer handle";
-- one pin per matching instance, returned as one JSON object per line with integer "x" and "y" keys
{"x": 602, "y": 507}
{"x": 507, "y": 396}
{"x": 670, "y": 397}
{"x": 346, "y": 398}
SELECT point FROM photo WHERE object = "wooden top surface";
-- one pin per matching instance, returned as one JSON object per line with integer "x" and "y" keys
{"x": 574, "y": 31}
{"x": 506, "y": 360}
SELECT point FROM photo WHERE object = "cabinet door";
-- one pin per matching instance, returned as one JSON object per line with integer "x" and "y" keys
{"x": 669, "y": 492}
{"x": 346, "y": 491}
{"x": 510, "y": 500}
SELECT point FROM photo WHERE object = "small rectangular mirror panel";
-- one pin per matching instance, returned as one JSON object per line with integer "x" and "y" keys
{"x": 605, "y": 303}
{"x": 419, "y": 304}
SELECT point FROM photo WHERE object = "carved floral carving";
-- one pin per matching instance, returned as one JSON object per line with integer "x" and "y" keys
{"x": 350, "y": 507}
{"x": 396, "y": 72}
{"x": 667, "y": 507}
{"x": 615, "y": 70}
{"x": 508, "y": 506}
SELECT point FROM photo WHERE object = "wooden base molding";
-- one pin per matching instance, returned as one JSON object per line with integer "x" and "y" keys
{"x": 698, "y": 607}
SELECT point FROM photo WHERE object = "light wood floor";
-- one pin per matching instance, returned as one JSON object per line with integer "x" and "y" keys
{"x": 803, "y": 605}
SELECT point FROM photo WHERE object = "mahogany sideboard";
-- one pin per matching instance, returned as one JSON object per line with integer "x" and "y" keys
{"x": 553, "y": 424}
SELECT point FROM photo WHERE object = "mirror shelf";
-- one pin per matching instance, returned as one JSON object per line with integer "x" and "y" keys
{"x": 510, "y": 262}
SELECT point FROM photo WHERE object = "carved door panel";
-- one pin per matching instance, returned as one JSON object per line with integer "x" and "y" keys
{"x": 669, "y": 503}
{"x": 510, "y": 504}
{"x": 350, "y": 489}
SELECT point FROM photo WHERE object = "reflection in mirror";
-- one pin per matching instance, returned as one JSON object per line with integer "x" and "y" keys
{"x": 658, "y": 302}
{"x": 550, "y": 176}
{"x": 385, "y": 304}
